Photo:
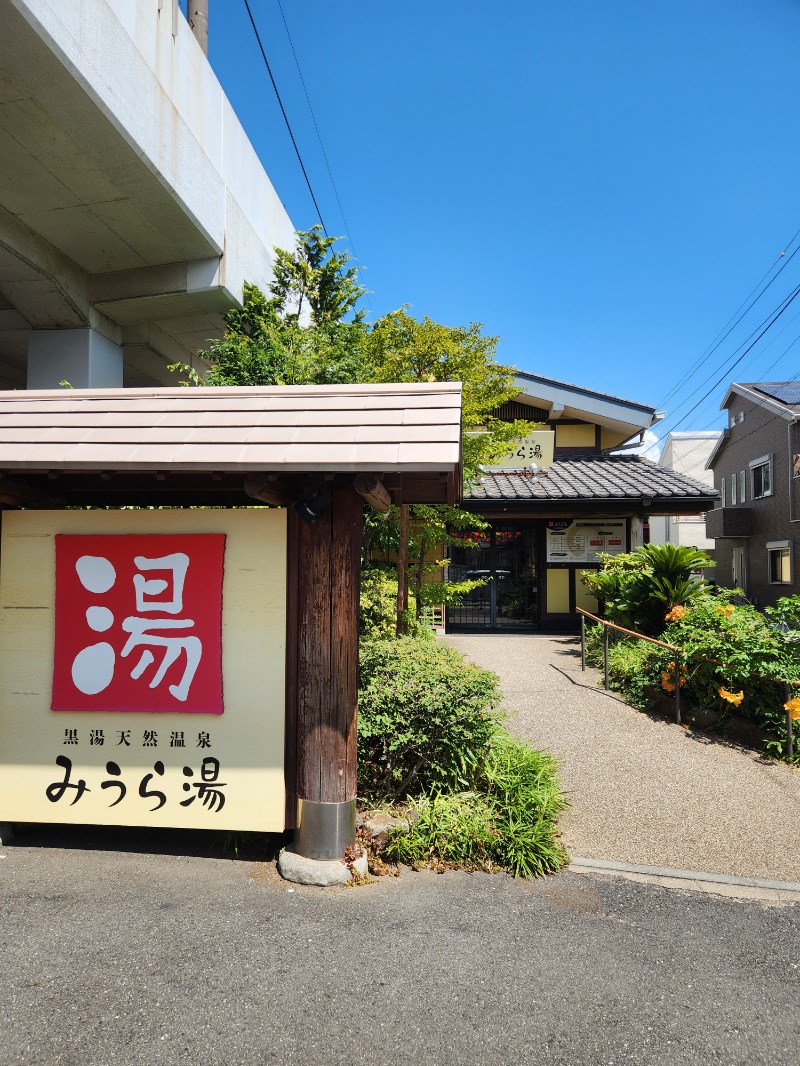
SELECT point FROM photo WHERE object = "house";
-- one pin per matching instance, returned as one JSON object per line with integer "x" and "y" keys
{"x": 578, "y": 490}
{"x": 132, "y": 205}
{"x": 686, "y": 452}
{"x": 756, "y": 469}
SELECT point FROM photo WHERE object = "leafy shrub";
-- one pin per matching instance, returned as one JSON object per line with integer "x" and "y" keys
{"x": 785, "y": 613}
{"x": 637, "y": 589}
{"x": 633, "y": 668}
{"x": 732, "y": 659}
{"x": 426, "y": 718}
{"x": 509, "y": 823}
{"x": 378, "y": 606}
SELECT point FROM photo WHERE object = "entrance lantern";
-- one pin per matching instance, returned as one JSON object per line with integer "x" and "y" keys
{"x": 173, "y": 652}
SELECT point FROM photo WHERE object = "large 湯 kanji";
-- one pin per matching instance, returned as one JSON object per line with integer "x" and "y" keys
{"x": 139, "y": 623}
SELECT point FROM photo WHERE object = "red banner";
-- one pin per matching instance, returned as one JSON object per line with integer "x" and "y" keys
{"x": 139, "y": 623}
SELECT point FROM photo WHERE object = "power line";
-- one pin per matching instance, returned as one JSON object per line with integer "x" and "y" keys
{"x": 767, "y": 322}
{"x": 285, "y": 116}
{"x": 319, "y": 138}
{"x": 786, "y": 303}
{"x": 748, "y": 306}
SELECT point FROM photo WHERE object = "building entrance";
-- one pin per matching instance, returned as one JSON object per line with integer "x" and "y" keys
{"x": 505, "y": 558}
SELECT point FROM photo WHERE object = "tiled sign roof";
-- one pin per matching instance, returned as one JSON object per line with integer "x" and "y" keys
{"x": 593, "y": 478}
{"x": 321, "y": 428}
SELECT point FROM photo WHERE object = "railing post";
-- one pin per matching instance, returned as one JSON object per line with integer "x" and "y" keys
{"x": 605, "y": 652}
{"x": 583, "y": 642}
{"x": 677, "y": 687}
{"x": 789, "y": 727}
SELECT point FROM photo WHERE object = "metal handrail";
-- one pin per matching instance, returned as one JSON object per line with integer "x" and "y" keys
{"x": 678, "y": 652}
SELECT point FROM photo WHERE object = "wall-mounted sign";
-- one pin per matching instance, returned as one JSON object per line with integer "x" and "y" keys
{"x": 536, "y": 448}
{"x": 142, "y": 661}
{"x": 581, "y": 541}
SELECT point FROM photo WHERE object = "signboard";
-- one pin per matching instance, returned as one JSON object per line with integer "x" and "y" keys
{"x": 571, "y": 541}
{"x": 536, "y": 448}
{"x": 142, "y": 660}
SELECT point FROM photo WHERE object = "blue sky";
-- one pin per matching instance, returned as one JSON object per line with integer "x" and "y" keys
{"x": 600, "y": 184}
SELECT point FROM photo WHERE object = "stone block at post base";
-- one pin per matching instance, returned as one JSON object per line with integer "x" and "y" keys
{"x": 325, "y": 832}
{"x": 319, "y": 872}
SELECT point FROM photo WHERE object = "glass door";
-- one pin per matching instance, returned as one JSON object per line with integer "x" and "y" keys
{"x": 504, "y": 559}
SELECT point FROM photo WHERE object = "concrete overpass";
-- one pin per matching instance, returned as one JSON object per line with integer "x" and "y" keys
{"x": 132, "y": 205}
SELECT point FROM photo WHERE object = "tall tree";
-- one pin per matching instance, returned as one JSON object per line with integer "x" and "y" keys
{"x": 316, "y": 279}
{"x": 402, "y": 348}
{"x": 299, "y": 334}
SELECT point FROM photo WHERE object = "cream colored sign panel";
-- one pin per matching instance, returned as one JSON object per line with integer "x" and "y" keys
{"x": 216, "y": 760}
{"x": 536, "y": 448}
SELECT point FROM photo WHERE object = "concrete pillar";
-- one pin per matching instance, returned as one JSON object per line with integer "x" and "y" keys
{"x": 83, "y": 357}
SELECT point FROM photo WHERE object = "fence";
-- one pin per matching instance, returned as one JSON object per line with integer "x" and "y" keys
{"x": 678, "y": 652}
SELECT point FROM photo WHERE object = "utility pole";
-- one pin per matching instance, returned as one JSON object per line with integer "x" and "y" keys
{"x": 198, "y": 20}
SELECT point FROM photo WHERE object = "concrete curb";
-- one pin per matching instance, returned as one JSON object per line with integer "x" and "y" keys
{"x": 694, "y": 880}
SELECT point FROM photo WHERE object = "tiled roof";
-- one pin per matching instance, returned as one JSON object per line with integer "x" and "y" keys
{"x": 592, "y": 477}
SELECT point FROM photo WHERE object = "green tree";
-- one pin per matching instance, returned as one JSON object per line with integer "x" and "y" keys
{"x": 317, "y": 278}
{"x": 404, "y": 349}
{"x": 300, "y": 333}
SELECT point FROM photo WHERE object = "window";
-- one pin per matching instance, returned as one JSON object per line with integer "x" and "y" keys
{"x": 779, "y": 555}
{"x": 742, "y": 496}
{"x": 761, "y": 477}
{"x": 722, "y": 501}
{"x": 733, "y": 490}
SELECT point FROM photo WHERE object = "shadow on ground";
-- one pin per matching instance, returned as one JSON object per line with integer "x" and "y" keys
{"x": 196, "y": 843}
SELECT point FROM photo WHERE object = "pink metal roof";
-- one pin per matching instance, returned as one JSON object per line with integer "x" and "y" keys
{"x": 321, "y": 428}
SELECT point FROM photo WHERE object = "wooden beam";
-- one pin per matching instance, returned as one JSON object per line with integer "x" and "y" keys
{"x": 372, "y": 489}
{"x": 268, "y": 490}
{"x": 15, "y": 493}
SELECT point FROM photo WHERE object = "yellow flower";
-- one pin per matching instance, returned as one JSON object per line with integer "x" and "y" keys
{"x": 726, "y": 611}
{"x": 732, "y": 697}
{"x": 792, "y": 707}
{"x": 676, "y": 614}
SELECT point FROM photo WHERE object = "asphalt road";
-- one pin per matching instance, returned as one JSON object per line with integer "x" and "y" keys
{"x": 115, "y": 957}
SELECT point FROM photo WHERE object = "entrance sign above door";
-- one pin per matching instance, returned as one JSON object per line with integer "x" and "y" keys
{"x": 536, "y": 448}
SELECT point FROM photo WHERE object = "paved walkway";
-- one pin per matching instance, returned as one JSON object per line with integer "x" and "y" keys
{"x": 643, "y": 790}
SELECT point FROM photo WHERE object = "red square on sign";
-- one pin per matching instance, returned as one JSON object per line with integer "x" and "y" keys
{"x": 139, "y": 623}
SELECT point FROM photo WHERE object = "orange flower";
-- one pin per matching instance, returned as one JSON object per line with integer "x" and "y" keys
{"x": 726, "y": 611}
{"x": 676, "y": 614}
{"x": 792, "y": 707}
{"x": 668, "y": 677}
{"x": 732, "y": 697}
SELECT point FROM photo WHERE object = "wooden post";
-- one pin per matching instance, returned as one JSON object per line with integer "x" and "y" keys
{"x": 322, "y": 675}
{"x": 402, "y": 569}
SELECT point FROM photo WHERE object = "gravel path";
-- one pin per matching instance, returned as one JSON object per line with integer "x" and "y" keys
{"x": 643, "y": 790}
